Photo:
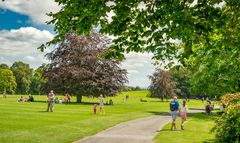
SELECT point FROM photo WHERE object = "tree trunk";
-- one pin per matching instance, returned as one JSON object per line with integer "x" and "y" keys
{"x": 79, "y": 98}
{"x": 162, "y": 98}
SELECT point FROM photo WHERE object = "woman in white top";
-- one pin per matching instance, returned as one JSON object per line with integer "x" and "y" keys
{"x": 183, "y": 113}
{"x": 101, "y": 103}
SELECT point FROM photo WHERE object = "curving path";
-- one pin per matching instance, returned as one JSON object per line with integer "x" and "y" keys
{"x": 136, "y": 131}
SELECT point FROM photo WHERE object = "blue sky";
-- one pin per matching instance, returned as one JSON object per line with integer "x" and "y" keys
{"x": 23, "y": 28}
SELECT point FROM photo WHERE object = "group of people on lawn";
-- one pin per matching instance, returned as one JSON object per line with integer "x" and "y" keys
{"x": 51, "y": 100}
{"x": 175, "y": 109}
{"x": 25, "y": 99}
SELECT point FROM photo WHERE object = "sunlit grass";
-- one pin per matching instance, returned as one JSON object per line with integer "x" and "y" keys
{"x": 29, "y": 122}
{"x": 196, "y": 130}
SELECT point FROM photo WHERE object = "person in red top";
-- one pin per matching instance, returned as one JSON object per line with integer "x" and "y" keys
{"x": 68, "y": 98}
{"x": 95, "y": 108}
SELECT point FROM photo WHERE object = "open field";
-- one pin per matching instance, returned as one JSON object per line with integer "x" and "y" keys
{"x": 29, "y": 122}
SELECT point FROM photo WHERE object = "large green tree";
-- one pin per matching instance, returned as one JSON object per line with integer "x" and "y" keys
{"x": 23, "y": 74}
{"x": 215, "y": 71}
{"x": 152, "y": 25}
{"x": 207, "y": 30}
{"x": 77, "y": 68}
{"x": 181, "y": 76}
{"x": 5, "y": 66}
{"x": 7, "y": 81}
{"x": 37, "y": 81}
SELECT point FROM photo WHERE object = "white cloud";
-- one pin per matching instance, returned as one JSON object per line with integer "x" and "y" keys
{"x": 36, "y": 9}
{"x": 139, "y": 66}
{"x": 21, "y": 44}
{"x": 133, "y": 71}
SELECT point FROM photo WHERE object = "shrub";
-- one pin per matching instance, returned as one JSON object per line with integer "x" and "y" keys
{"x": 227, "y": 127}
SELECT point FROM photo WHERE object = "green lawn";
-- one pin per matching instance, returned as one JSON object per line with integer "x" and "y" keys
{"x": 29, "y": 122}
{"x": 196, "y": 130}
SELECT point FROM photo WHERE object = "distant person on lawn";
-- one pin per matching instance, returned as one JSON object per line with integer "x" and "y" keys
{"x": 21, "y": 99}
{"x": 101, "y": 103}
{"x": 208, "y": 108}
{"x": 50, "y": 97}
{"x": 95, "y": 108}
{"x": 68, "y": 99}
{"x": 183, "y": 113}
{"x": 4, "y": 95}
{"x": 174, "y": 105}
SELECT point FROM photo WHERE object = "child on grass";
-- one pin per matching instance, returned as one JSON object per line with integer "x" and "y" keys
{"x": 95, "y": 108}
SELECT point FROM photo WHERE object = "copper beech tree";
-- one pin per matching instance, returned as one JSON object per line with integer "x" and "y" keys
{"x": 162, "y": 85}
{"x": 77, "y": 67}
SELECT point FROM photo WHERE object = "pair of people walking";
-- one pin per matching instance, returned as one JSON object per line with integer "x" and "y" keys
{"x": 178, "y": 111}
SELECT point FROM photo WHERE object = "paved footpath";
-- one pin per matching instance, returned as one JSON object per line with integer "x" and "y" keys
{"x": 141, "y": 130}
{"x": 137, "y": 131}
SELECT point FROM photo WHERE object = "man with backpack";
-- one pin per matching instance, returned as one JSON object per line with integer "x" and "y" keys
{"x": 174, "y": 105}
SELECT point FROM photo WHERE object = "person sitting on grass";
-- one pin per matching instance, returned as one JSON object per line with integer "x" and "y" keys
{"x": 127, "y": 96}
{"x": 60, "y": 101}
{"x": 21, "y": 99}
{"x": 30, "y": 99}
{"x": 25, "y": 99}
{"x": 111, "y": 102}
{"x": 56, "y": 100}
{"x": 183, "y": 113}
{"x": 142, "y": 100}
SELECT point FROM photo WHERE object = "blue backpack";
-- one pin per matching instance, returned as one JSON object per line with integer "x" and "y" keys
{"x": 173, "y": 106}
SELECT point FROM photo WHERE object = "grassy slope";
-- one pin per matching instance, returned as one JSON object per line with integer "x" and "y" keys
{"x": 197, "y": 130}
{"x": 28, "y": 122}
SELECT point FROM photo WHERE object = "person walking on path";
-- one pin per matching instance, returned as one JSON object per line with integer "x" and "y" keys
{"x": 174, "y": 105}
{"x": 50, "y": 101}
{"x": 101, "y": 103}
{"x": 183, "y": 113}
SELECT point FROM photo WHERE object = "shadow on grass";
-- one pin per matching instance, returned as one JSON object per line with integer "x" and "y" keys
{"x": 158, "y": 101}
{"x": 159, "y": 113}
{"x": 203, "y": 116}
{"x": 169, "y": 130}
{"x": 197, "y": 109}
{"x": 43, "y": 111}
{"x": 200, "y": 116}
{"x": 210, "y": 141}
{"x": 72, "y": 103}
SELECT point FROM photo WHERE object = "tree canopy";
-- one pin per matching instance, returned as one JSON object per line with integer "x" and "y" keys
{"x": 162, "y": 84}
{"x": 152, "y": 26}
{"x": 23, "y": 74}
{"x": 77, "y": 68}
{"x": 37, "y": 81}
{"x": 7, "y": 81}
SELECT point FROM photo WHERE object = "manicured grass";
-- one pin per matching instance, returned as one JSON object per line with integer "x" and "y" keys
{"x": 29, "y": 122}
{"x": 196, "y": 130}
